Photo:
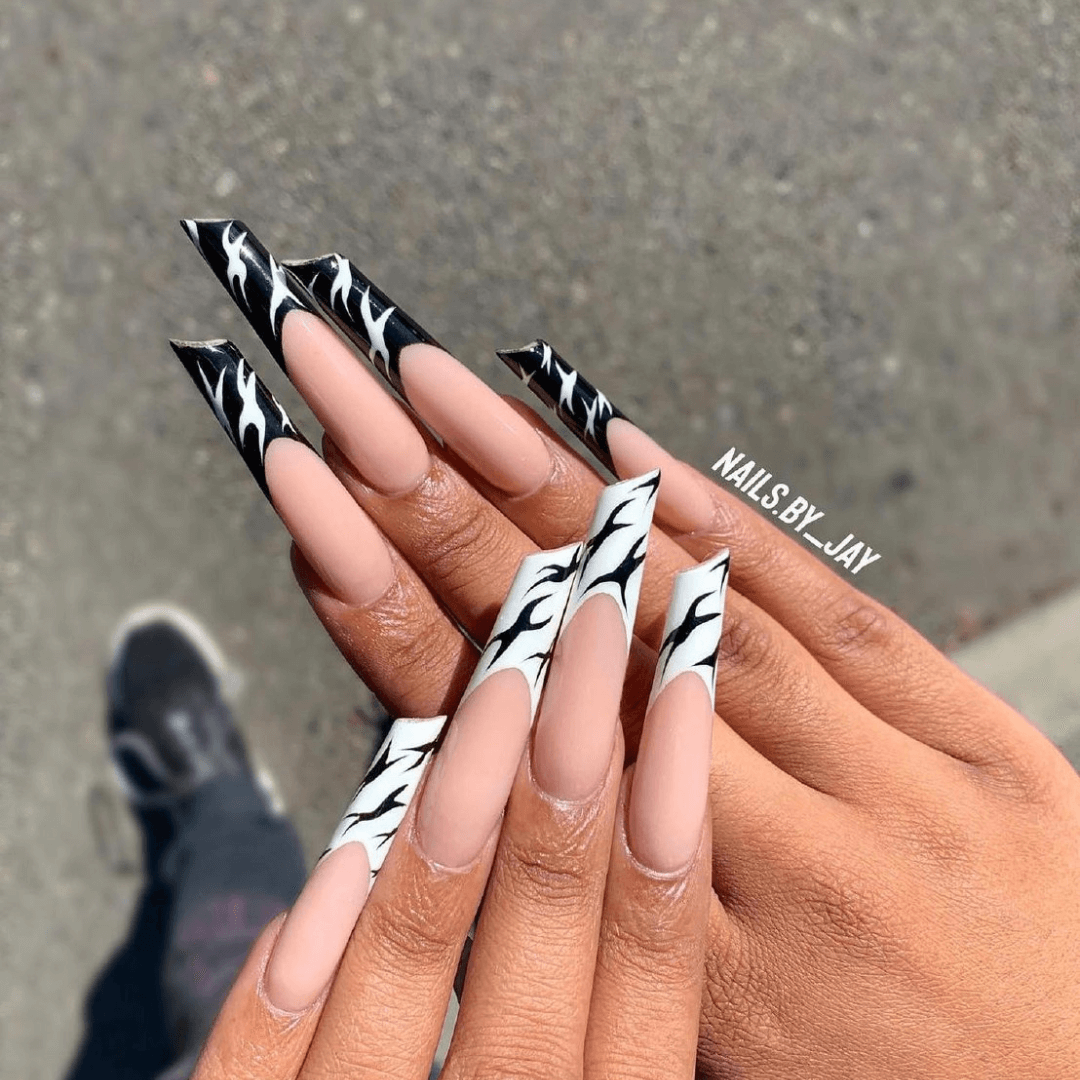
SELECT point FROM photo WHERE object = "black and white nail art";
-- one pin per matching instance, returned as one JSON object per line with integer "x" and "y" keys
{"x": 245, "y": 408}
{"x": 580, "y": 406}
{"x": 614, "y": 557}
{"x": 261, "y": 287}
{"x": 365, "y": 314}
{"x": 695, "y": 619}
{"x": 378, "y": 808}
{"x": 528, "y": 623}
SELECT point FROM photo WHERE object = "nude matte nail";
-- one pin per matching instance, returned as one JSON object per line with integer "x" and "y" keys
{"x": 670, "y": 787}
{"x": 576, "y": 727}
{"x": 318, "y": 928}
{"x": 369, "y": 427}
{"x": 339, "y": 540}
{"x": 684, "y": 502}
{"x": 335, "y": 535}
{"x": 471, "y": 777}
{"x": 477, "y": 424}
{"x": 263, "y": 290}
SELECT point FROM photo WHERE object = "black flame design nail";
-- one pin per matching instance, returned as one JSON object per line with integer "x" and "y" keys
{"x": 376, "y": 811}
{"x": 614, "y": 556}
{"x": 261, "y": 287}
{"x": 528, "y": 623}
{"x": 245, "y": 408}
{"x": 695, "y": 619}
{"x": 580, "y": 406}
{"x": 365, "y": 314}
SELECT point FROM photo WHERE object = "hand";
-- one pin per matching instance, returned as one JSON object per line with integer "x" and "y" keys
{"x": 894, "y": 850}
{"x": 588, "y": 955}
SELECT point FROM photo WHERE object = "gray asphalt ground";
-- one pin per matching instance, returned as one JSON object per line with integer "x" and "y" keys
{"x": 844, "y": 237}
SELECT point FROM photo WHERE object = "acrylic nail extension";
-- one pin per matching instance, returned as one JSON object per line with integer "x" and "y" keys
{"x": 363, "y": 312}
{"x": 683, "y": 503}
{"x": 245, "y": 408}
{"x": 261, "y": 287}
{"x": 670, "y": 788}
{"x": 613, "y": 560}
{"x": 528, "y": 623}
{"x": 336, "y": 536}
{"x": 376, "y": 811}
{"x": 695, "y": 617}
{"x": 576, "y": 402}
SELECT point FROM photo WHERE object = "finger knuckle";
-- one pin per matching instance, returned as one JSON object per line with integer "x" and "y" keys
{"x": 558, "y": 879}
{"x": 465, "y": 540}
{"x": 647, "y": 954}
{"x": 410, "y": 933}
{"x": 747, "y": 648}
{"x": 856, "y": 626}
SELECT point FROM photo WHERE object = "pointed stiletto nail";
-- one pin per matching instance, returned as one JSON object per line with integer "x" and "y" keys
{"x": 528, "y": 623}
{"x": 584, "y": 410}
{"x": 614, "y": 557}
{"x": 695, "y": 619}
{"x": 363, "y": 312}
{"x": 336, "y": 536}
{"x": 378, "y": 808}
{"x": 245, "y": 408}
{"x": 260, "y": 286}
{"x": 683, "y": 503}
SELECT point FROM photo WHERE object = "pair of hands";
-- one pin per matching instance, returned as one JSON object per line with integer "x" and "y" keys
{"x": 894, "y": 856}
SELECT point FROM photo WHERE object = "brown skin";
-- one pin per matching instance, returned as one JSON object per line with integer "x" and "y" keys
{"x": 895, "y": 851}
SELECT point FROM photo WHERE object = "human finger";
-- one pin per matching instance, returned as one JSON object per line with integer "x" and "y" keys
{"x": 366, "y": 588}
{"x": 385, "y": 1009}
{"x": 527, "y": 989}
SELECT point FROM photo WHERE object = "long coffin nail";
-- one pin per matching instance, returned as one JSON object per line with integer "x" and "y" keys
{"x": 471, "y": 418}
{"x": 471, "y": 778}
{"x": 670, "y": 788}
{"x": 365, "y": 314}
{"x": 335, "y": 535}
{"x": 576, "y": 726}
{"x": 613, "y": 561}
{"x": 318, "y": 928}
{"x": 261, "y": 287}
{"x": 695, "y": 617}
{"x": 625, "y": 449}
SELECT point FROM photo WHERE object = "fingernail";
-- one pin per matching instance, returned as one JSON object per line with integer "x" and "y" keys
{"x": 471, "y": 778}
{"x": 318, "y": 928}
{"x": 260, "y": 286}
{"x": 477, "y": 424}
{"x": 365, "y": 314}
{"x": 369, "y": 427}
{"x": 335, "y": 535}
{"x": 683, "y": 503}
{"x": 377, "y": 809}
{"x": 670, "y": 786}
{"x": 576, "y": 726}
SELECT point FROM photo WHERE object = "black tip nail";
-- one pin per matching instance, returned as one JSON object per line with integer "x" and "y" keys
{"x": 260, "y": 286}
{"x": 245, "y": 408}
{"x": 365, "y": 314}
{"x": 580, "y": 406}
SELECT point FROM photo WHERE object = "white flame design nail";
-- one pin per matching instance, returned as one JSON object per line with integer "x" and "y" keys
{"x": 376, "y": 330}
{"x": 237, "y": 268}
{"x": 250, "y": 415}
{"x": 342, "y": 284}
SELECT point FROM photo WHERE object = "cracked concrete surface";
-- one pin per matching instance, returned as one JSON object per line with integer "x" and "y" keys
{"x": 843, "y": 237}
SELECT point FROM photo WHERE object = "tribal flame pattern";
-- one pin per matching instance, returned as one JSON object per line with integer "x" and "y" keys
{"x": 580, "y": 406}
{"x": 245, "y": 408}
{"x": 378, "y": 808}
{"x": 614, "y": 557}
{"x": 365, "y": 314}
{"x": 528, "y": 623}
{"x": 261, "y": 287}
{"x": 695, "y": 618}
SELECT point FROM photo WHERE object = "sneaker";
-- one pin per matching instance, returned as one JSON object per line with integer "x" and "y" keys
{"x": 170, "y": 729}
